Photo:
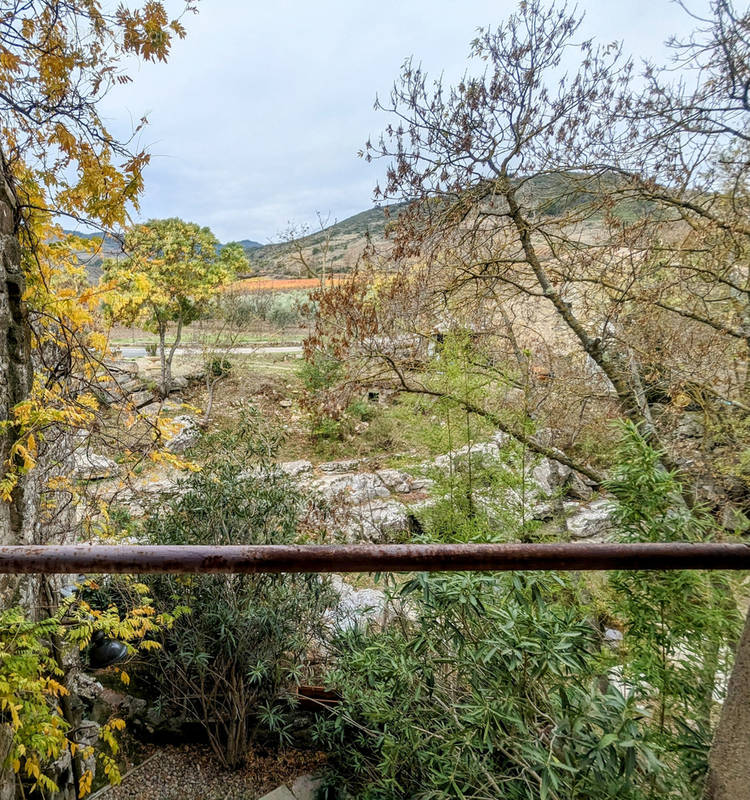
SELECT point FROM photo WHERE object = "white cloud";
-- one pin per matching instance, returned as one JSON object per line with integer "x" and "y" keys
{"x": 257, "y": 118}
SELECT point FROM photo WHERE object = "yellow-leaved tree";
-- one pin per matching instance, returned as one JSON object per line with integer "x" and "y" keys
{"x": 173, "y": 271}
{"x": 57, "y": 160}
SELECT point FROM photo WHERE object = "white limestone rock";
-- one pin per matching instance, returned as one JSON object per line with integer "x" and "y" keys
{"x": 593, "y": 521}
{"x": 88, "y": 466}
{"x": 377, "y": 522}
{"x": 355, "y": 489}
{"x": 296, "y": 468}
{"x": 182, "y": 432}
{"x": 143, "y": 398}
{"x": 355, "y": 606}
{"x": 395, "y": 481}
{"x": 339, "y": 466}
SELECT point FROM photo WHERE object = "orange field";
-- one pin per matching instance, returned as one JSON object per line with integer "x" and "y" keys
{"x": 281, "y": 284}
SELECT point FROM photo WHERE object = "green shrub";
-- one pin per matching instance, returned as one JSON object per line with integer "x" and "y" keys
{"x": 361, "y": 410}
{"x": 677, "y": 622}
{"x": 323, "y": 427}
{"x": 492, "y": 685}
{"x": 230, "y": 664}
{"x": 320, "y": 374}
{"x": 220, "y": 367}
{"x": 492, "y": 691}
{"x": 482, "y": 497}
{"x": 281, "y": 308}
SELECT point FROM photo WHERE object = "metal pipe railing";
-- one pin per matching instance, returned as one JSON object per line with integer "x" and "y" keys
{"x": 370, "y": 557}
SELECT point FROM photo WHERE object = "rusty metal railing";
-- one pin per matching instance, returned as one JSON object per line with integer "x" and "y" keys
{"x": 371, "y": 558}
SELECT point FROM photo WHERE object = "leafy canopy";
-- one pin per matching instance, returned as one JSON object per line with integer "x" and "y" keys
{"x": 57, "y": 61}
{"x": 173, "y": 271}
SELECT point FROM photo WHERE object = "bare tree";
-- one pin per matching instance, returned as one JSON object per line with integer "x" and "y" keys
{"x": 310, "y": 251}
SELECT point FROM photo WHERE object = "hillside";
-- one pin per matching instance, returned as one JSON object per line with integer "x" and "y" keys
{"x": 346, "y": 241}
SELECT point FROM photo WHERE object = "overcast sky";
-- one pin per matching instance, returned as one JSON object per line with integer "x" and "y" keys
{"x": 256, "y": 120}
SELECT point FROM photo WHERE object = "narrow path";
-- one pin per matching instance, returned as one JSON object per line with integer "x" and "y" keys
{"x": 135, "y": 351}
{"x": 191, "y": 772}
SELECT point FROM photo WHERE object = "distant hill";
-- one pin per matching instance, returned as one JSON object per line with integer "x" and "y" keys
{"x": 110, "y": 244}
{"x": 551, "y": 195}
{"x": 346, "y": 239}
{"x": 249, "y": 244}
{"x": 110, "y": 247}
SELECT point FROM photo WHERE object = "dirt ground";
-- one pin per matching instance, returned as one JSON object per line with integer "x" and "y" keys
{"x": 191, "y": 772}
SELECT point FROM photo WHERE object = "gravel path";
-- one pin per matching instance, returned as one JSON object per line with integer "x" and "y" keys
{"x": 191, "y": 772}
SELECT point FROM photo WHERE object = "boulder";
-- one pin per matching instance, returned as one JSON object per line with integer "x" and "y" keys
{"x": 279, "y": 793}
{"x": 143, "y": 398}
{"x": 130, "y": 385}
{"x": 422, "y": 484}
{"x": 395, "y": 481}
{"x": 296, "y": 468}
{"x": 355, "y": 606}
{"x": 593, "y": 521}
{"x": 732, "y": 519}
{"x": 479, "y": 451}
{"x": 122, "y": 366}
{"x": 377, "y": 522}
{"x": 339, "y": 466}
{"x": 613, "y": 637}
{"x": 85, "y": 687}
{"x": 550, "y": 475}
{"x": 576, "y": 486}
{"x": 690, "y": 426}
{"x": 182, "y": 433}
{"x": 355, "y": 489}
{"x": 306, "y": 787}
{"x": 88, "y": 466}
{"x": 160, "y": 722}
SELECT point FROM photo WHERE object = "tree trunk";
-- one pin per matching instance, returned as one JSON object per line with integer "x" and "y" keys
{"x": 15, "y": 351}
{"x": 166, "y": 358}
{"x": 729, "y": 761}
{"x": 172, "y": 350}
{"x": 15, "y": 384}
{"x": 163, "y": 388}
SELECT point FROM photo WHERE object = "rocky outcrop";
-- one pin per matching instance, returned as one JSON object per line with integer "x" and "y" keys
{"x": 371, "y": 506}
{"x": 353, "y": 488}
{"x": 377, "y": 522}
{"x": 349, "y": 465}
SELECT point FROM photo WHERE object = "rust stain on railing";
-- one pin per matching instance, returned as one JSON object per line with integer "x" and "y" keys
{"x": 370, "y": 558}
